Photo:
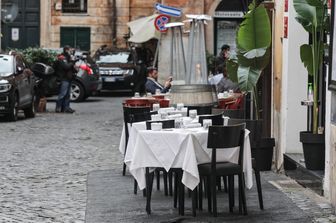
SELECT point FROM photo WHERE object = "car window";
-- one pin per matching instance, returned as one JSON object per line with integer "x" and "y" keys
{"x": 6, "y": 65}
{"x": 120, "y": 57}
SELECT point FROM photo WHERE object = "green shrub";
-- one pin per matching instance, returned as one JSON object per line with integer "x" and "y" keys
{"x": 37, "y": 55}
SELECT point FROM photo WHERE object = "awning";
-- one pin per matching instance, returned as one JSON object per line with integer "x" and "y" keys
{"x": 143, "y": 29}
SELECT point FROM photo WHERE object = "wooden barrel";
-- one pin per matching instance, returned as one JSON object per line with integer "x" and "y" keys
{"x": 197, "y": 94}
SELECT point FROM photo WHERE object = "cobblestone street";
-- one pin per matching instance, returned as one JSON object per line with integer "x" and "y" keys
{"x": 44, "y": 161}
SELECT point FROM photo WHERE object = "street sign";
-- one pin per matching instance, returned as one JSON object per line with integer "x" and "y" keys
{"x": 167, "y": 10}
{"x": 160, "y": 23}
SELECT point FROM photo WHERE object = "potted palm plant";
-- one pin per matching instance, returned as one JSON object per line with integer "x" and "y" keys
{"x": 252, "y": 56}
{"x": 313, "y": 16}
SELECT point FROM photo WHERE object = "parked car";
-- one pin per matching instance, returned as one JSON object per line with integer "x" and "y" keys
{"x": 16, "y": 87}
{"x": 87, "y": 80}
{"x": 114, "y": 66}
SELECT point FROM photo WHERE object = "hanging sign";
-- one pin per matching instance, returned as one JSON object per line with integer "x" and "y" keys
{"x": 286, "y": 5}
{"x": 286, "y": 27}
{"x": 160, "y": 23}
{"x": 229, "y": 14}
{"x": 15, "y": 34}
{"x": 167, "y": 10}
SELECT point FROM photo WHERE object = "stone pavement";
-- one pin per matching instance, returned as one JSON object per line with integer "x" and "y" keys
{"x": 111, "y": 199}
{"x": 67, "y": 168}
{"x": 44, "y": 161}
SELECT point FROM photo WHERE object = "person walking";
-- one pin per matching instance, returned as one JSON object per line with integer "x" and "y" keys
{"x": 64, "y": 68}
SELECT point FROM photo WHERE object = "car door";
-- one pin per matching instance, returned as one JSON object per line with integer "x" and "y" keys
{"x": 23, "y": 82}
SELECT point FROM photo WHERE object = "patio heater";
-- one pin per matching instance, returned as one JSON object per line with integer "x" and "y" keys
{"x": 192, "y": 87}
{"x": 177, "y": 55}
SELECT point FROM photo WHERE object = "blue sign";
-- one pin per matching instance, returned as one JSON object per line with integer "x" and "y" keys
{"x": 167, "y": 10}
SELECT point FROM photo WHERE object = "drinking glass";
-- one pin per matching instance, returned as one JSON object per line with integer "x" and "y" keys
{"x": 179, "y": 123}
{"x": 192, "y": 114}
{"x": 179, "y": 106}
{"x": 137, "y": 95}
{"x": 207, "y": 123}
{"x": 157, "y": 91}
{"x": 156, "y": 107}
{"x": 164, "y": 115}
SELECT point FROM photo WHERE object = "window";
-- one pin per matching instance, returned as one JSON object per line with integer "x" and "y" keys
{"x": 74, "y": 6}
{"x": 77, "y": 37}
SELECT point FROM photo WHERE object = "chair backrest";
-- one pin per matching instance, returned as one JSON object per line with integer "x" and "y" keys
{"x": 166, "y": 124}
{"x": 201, "y": 110}
{"x": 129, "y": 118}
{"x": 216, "y": 119}
{"x": 128, "y": 111}
{"x": 254, "y": 126}
{"x": 223, "y": 137}
{"x": 141, "y": 117}
{"x": 232, "y": 113}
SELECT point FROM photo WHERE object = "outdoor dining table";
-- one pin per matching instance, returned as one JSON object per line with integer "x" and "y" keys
{"x": 177, "y": 148}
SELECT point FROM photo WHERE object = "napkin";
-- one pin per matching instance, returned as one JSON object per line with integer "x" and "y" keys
{"x": 193, "y": 125}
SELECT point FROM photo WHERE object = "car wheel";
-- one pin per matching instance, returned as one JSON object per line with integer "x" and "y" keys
{"x": 77, "y": 92}
{"x": 14, "y": 108}
{"x": 30, "y": 111}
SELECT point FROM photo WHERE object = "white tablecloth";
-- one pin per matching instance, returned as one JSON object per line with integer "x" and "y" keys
{"x": 177, "y": 148}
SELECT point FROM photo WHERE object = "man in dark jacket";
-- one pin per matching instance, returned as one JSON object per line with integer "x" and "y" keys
{"x": 64, "y": 68}
{"x": 153, "y": 86}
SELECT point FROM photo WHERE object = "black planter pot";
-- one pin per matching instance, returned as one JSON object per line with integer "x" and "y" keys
{"x": 313, "y": 150}
{"x": 262, "y": 152}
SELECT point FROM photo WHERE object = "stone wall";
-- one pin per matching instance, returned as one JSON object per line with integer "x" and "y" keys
{"x": 100, "y": 18}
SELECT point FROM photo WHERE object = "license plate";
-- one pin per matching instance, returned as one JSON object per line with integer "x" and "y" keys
{"x": 109, "y": 79}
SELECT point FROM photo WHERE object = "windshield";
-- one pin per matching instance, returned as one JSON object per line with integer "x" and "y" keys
{"x": 6, "y": 65}
{"x": 121, "y": 57}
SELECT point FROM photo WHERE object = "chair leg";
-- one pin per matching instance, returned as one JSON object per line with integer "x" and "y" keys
{"x": 181, "y": 194}
{"x": 219, "y": 183}
{"x": 165, "y": 183}
{"x": 200, "y": 195}
{"x": 175, "y": 189}
{"x": 157, "y": 179}
{"x": 214, "y": 195}
{"x": 194, "y": 201}
{"x": 208, "y": 186}
{"x": 260, "y": 197}
{"x": 225, "y": 184}
{"x": 242, "y": 192}
{"x": 149, "y": 188}
{"x": 124, "y": 169}
{"x": 170, "y": 182}
{"x": 231, "y": 192}
{"x": 135, "y": 187}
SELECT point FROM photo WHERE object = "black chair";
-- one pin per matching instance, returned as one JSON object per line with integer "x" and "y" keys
{"x": 216, "y": 119}
{"x": 201, "y": 109}
{"x": 129, "y": 119}
{"x": 222, "y": 137}
{"x": 232, "y": 113}
{"x": 150, "y": 175}
{"x": 254, "y": 126}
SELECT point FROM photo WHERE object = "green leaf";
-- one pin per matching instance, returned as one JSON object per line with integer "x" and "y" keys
{"x": 258, "y": 58}
{"x": 232, "y": 68}
{"x": 248, "y": 78}
{"x": 306, "y": 54}
{"x": 310, "y": 13}
{"x": 255, "y": 30}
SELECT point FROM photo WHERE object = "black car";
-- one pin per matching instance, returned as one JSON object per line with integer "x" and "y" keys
{"x": 114, "y": 66}
{"x": 16, "y": 87}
